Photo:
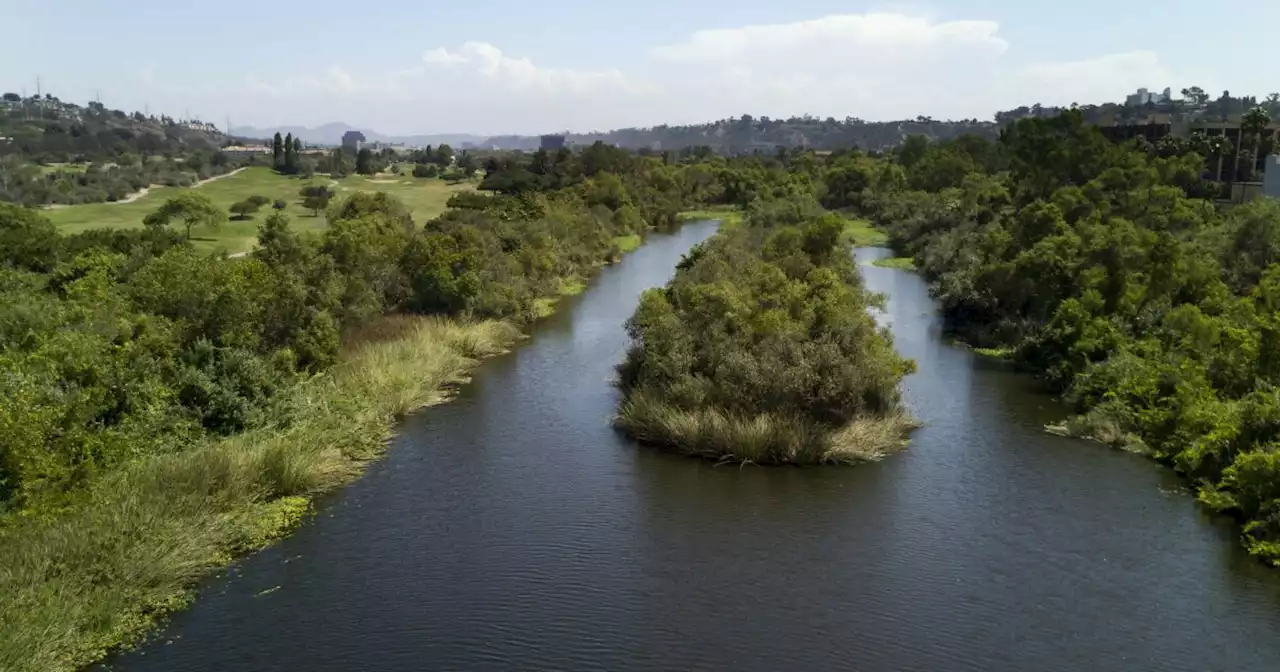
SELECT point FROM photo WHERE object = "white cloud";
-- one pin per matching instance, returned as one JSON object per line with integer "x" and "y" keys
{"x": 1105, "y": 78}
{"x": 883, "y": 65}
{"x": 522, "y": 75}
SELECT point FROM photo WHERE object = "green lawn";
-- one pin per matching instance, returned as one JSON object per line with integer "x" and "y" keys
{"x": 861, "y": 233}
{"x": 425, "y": 198}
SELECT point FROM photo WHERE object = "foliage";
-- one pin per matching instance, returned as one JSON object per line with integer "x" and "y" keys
{"x": 165, "y": 409}
{"x": 190, "y": 208}
{"x": 761, "y": 349}
{"x": 1106, "y": 270}
{"x": 315, "y": 198}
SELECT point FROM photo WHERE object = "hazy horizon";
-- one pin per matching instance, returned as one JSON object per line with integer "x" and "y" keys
{"x": 401, "y": 68}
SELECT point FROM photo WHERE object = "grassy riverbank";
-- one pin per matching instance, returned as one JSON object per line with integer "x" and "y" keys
{"x": 726, "y": 215}
{"x": 82, "y": 581}
{"x": 900, "y": 263}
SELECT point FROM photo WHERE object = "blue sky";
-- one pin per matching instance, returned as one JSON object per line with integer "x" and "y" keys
{"x": 402, "y": 66}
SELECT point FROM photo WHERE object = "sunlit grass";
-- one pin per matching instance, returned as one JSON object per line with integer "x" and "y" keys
{"x": 900, "y": 263}
{"x": 425, "y": 198}
{"x": 764, "y": 438}
{"x": 726, "y": 215}
{"x": 860, "y": 233}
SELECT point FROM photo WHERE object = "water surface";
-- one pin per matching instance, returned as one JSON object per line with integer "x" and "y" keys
{"x": 512, "y": 529}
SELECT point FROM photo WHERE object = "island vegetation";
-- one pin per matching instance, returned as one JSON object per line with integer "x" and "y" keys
{"x": 1110, "y": 272}
{"x": 762, "y": 350}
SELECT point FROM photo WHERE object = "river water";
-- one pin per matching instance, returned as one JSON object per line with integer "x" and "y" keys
{"x": 512, "y": 529}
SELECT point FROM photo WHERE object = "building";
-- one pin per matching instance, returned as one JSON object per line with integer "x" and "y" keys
{"x": 552, "y": 143}
{"x": 352, "y": 141}
{"x": 243, "y": 151}
{"x": 1271, "y": 177}
{"x": 1143, "y": 96}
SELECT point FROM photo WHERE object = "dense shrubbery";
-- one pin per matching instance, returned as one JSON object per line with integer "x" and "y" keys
{"x": 761, "y": 349}
{"x": 31, "y": 184}
{"x": 120, "y": 344}
{"x": 160, "y": 409}
{"x": 1114, "y": 279}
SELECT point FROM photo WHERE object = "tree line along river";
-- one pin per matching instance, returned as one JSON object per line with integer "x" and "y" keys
{"x": 513, "y": 528}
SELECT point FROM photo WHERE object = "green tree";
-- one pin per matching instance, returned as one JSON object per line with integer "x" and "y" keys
{"x": 245, "y": 209}
{"x": 277, "y": 151}
{"x": 338, "y": 161}
{"x": 189, "y": 207}
{"x": 364, "y": 161}
{"x": 1254, "y": 123}
{"x": 467, "y": 163}
{"x": 290, "y": 155}
{"x": 444, "y": 155}
{"x": 315, "y": 198}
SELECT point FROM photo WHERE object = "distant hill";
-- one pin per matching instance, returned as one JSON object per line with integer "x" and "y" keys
{"x": 49, "y": 129}
{"x": 331, "y": 134}
{"x": 728, "y": 135}
{"x": 747, "y": 133}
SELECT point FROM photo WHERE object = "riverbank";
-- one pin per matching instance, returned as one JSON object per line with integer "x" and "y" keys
{"x": 98, "y": 575}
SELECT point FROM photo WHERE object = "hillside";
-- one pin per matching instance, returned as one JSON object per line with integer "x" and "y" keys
{"x": 331, "y": 134}
{"x": 47, "y": 129}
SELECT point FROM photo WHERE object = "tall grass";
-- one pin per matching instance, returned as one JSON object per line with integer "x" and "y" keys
{"x": 764, "y": 438}
{"x": 76, "y": 583}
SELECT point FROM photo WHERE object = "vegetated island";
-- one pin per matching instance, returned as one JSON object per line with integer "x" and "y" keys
{"x": 761, "y": 349}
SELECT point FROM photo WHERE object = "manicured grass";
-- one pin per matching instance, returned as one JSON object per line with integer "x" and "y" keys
{"x": 425, "y": 198}
{"x": 860, "y": 233}
{"x": 900, "y": 263}
{"x": 76, "y": 583}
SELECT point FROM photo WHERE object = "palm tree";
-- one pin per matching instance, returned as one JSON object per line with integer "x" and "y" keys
{"x": 1218, "y": 145}
{"x": 1255, "y": 121}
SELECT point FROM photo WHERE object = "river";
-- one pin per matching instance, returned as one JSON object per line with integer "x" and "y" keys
{"x": 512, "y": 529}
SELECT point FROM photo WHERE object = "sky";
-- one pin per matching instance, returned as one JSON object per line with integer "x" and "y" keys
{"x": 514, "y": 66}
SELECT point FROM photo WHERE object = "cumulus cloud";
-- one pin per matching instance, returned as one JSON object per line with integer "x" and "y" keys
{"x": 883, "y": 65}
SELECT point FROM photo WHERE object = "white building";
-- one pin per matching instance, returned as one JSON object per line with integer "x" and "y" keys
{"x": 1143, "y": 96}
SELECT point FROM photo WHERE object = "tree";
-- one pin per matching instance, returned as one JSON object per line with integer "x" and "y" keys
{"x": 279, "y": 204}
{"x": 243, "y": 210}
{"x": 1195, "y": 94}
{"x": 364, "y": 161}
{"x": 338, "y": 159}
{"x": 1219, "y": 146}
{"x": 1254, "y": 123}
{"x": 425, "y": 170}
{"x": 290, "y": 155}
{"x": 189, "y": 207}
{"x": 444, "y": 155}
{"x": 258, "y": 200}
{"x": 467, "y": 163}
{"x": 277, "y": 152}
{"x": 315, "y": 198}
